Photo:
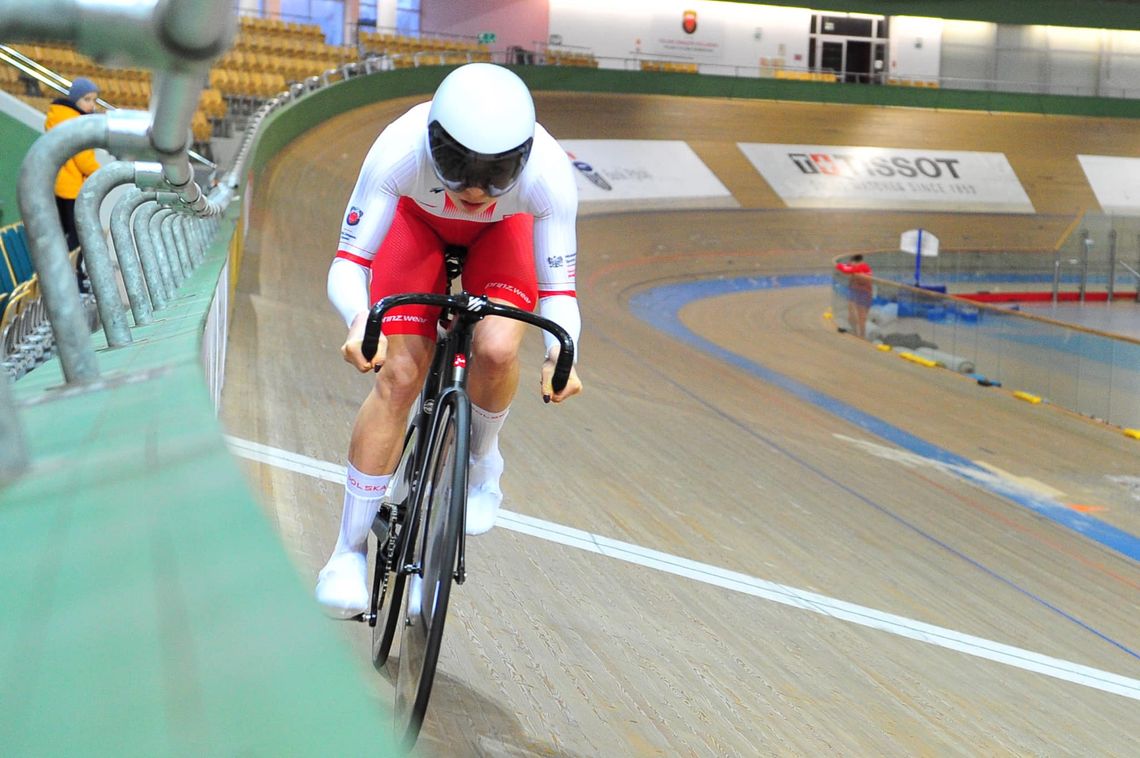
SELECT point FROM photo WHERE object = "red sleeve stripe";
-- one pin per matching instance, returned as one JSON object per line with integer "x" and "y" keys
{"x": 552, "y": 293}
{"x": 354, "y": 258}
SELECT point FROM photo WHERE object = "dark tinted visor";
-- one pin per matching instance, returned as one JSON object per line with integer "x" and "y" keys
{"x": 459, "y": 168}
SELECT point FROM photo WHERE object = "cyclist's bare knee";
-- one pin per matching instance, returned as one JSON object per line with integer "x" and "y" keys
{"x": 404, "y": 369}
{"x": 495, "y": 348}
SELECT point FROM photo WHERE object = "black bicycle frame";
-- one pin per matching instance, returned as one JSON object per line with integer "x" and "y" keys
{"x": 460, "y": 313}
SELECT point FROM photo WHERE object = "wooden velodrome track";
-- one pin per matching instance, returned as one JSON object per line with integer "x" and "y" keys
{"x": 705, "y": 561}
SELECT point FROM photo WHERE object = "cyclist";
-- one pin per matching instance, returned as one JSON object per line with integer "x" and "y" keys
{"x": 472, "y": 168}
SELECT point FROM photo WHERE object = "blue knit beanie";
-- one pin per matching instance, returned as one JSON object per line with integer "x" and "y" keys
{"x": 80, "y": 87}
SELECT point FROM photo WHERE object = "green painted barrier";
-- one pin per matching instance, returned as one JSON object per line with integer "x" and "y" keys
{"x": 148, "y": 606}
{"x": 15, "y": 139}
{"x": 287, "y": 124}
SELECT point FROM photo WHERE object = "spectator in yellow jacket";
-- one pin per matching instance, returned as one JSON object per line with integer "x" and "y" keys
{"x": 80, "y": 100}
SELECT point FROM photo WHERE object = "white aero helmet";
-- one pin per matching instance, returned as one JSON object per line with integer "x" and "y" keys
{"x": 480, "y": 128}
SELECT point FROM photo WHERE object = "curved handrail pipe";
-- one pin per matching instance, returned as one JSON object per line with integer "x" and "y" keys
{"x": 178, "y": 39}
{"x": 118, "y": 132}
{"x": 98, "y": 256}
{"x": 125, "y": 247}
{"x": 148, "y": 246}
{"x": 162, "y": 244}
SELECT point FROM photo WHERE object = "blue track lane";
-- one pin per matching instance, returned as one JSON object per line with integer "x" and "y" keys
{"x": 660, "y": 307}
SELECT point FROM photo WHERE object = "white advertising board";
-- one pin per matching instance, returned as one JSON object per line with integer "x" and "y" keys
{"x": 644, "y": 174}
{"x": 1115, "y": 181}
{"x": 889, "y": 178}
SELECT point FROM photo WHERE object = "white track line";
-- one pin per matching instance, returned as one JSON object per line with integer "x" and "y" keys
{"x": 779, "y": 593}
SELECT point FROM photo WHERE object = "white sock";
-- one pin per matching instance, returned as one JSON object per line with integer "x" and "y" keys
{"x": 485, "y": 427}
{"x": 362, "y": 493}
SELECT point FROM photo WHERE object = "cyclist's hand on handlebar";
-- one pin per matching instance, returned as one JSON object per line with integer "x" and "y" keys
{"x": 573, "y": 383}
{"x": 351, "y": 347}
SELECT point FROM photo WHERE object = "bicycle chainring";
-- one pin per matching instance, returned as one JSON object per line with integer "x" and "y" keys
{"x": 387, "y": 552}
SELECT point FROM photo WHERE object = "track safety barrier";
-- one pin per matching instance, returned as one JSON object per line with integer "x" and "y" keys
{"x": 179, "y": 42}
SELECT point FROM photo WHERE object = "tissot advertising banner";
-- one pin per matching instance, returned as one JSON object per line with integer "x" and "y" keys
{"x": 1115, "y": 181}
{"x": 644, "y": 173}
{"x": 827, "y": 176}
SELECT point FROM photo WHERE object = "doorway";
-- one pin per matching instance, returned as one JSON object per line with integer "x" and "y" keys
{"x": 851, "y": 47}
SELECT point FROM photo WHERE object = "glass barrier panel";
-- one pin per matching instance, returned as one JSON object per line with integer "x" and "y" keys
{"x": 1093, "y": 373}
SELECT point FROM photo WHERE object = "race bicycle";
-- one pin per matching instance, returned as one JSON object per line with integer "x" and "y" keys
{"x": 420, "y": 524}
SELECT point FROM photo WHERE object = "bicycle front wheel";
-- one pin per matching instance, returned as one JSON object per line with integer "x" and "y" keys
{"x": 443, "y": 493}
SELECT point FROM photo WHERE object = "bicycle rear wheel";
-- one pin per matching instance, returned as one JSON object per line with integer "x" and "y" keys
{"x": 399, "y": 495}
{"x": 435, "y": 535}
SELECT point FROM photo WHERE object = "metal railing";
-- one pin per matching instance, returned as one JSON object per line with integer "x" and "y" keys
{"x": 1089, "y": 371}
{"x": 162, "y": 225}
{"x": 178, "y": 42}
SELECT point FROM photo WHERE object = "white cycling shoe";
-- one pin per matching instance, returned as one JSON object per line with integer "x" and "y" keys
{"x": 341, "y": 587}
{"x": 483, "y": 493}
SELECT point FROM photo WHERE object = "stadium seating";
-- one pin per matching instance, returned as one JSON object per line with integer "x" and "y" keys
{"x": 554, "y": 57}
{"x": 929, "y": 83}
{"x": 16, "y": 255}
{"x": 119, "y": 87}
{"x": 408, "y": 51}
{"x": 266, "y": 57}
{"x": 24, "y": 331}
{"x": 670, "y": 66}
{"x": 806, "y": 76}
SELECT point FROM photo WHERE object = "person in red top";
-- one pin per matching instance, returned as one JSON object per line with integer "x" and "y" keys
{"x": 860, "y": 289}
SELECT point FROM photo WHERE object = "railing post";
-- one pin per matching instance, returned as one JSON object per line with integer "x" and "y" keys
{"x": 97, "y": 255}
{"x": 178, "y": 275}
{"x": 125, "y": 247}
{"x": 147, "y": 246}
{"x": 178, "y": 231}
{"x": 1056, "y": 273}
{"x": 166, "y": 229}
{"x": 48, "y": 248}
{"x": 198, "y": 234}
{"x": 1086, "y": 248}
{"x": 196, "y": 251}
{"x": 124, "y": 130}
{"x": 1111, "y": 263}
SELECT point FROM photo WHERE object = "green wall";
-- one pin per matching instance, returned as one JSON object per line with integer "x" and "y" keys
{"x": 288, "y": 123}
{"x": 15, "y": 139}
